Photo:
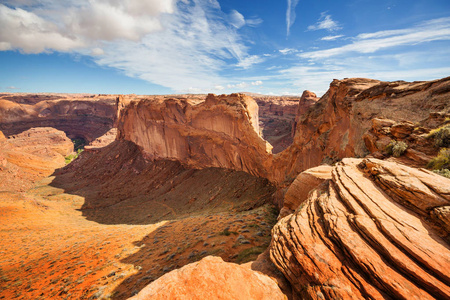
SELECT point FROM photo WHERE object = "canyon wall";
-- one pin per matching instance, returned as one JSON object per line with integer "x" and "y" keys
{"x": 78, "y": 116}
{"x": 334, "y": 127}
{"x": 222, "y": 131}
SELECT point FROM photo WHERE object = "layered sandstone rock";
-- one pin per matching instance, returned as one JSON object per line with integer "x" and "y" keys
{"x": 212, "y": 278}
{"x": 31, "y": 155}
{"x": 222, "y": 131}
{"x": 276, "y": 117}
{"x": 87, "y": 117}
{"x": 369, "y": 233}
{"x": 333, "y": 128}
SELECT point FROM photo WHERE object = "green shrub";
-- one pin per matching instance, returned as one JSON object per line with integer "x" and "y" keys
{"x": 443, "y": 172}
{"x": 73, "y": 156}
{"x": 441, "y": 136}
{"x": 441, "y": 161}
{"x": 396, "y": 148}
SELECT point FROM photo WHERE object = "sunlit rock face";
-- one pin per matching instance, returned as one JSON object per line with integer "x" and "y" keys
{"x": 334, "y": 127}
{"x": 222, "y": 131}
{"x": 376, "y": 230}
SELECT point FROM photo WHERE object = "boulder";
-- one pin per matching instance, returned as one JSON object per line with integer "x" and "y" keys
{"x": 212, "y": 278}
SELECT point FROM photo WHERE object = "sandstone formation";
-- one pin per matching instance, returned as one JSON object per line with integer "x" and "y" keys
{"x": 31, "y": 155}
{"x": 304, "y": 183}
{"x": 307, "y": 100}
{"x": 420, "y": 147}
{"x": 276, "y": 118}
{"x": 222, "y": 131}
{"x": 212, "y": 278}
{"x": 333, "y": 128}
{"x": 374, "y": 231}
{"x": 86, "y": 117}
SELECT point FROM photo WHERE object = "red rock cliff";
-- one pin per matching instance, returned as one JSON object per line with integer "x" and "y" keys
{"x": 222, "y": 131}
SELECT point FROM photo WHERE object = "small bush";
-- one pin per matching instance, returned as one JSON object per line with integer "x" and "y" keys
{"x": 443, "y": 172}
{"x": 72, "y": 157}
{"x": 396, "y": 148}
{"x": 441, "y": 161}
{"x": 441, "y": 136}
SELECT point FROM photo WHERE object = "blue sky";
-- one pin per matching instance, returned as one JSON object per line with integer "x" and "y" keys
{"x": 199, "y": 46}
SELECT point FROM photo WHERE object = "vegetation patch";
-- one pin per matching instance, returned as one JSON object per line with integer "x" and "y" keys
{"x": 396, "y": 148}
{"x": 441, "y": 136}
{"x": 249, "y": 254}
{"x": 73, "y": 156}
{"x": 443, "y": 172}
{"x": 441, "y": 161}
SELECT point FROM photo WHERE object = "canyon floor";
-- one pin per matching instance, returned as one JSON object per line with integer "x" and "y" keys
{"x": 57, "y": 243}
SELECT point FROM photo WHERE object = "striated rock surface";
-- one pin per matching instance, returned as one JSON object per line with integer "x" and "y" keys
{"x": 333, "y": 128}
{"x": 371, "y": 232}
{"x": 222, "y": 131}
{"x": 212, "y": 278}
{"x": 31, "y": 155}
{"x": 79, "y": 116}
{"x": 304, "y": 183}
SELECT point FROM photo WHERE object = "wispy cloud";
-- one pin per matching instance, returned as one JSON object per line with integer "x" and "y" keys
{"x": 438, "y": 29}
{"x": 331, "y": 37}
{"x": 237, "y": 20}
{"x": 249, "y": 61}
{"x": 286, "y": 51}
{"x": 325, "y": 22}
{"x": 290, "y": 15}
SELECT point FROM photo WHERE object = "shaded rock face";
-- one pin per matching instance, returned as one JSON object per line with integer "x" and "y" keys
{"x": 31, "y": 155}
{"x": 276, "y": 118}
{"x": 79, "y": 117}
{"x": 212, "y": 278}
{"x": 222, "y": 131}
{"x": 374, "y": 231}
{"x": 333, "y": 128}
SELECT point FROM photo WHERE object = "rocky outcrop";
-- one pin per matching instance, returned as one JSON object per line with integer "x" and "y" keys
{"x": 307, "y": 100}
{"x": 333, "y": 128}
{"x": 222, "y": 131}
{"x": 420, "y": 146}
{"x": 375, "y": 231}
{"x": 78, "y": 116}
{"x": 212, "y": 278}
{"x": 31, "y": 155}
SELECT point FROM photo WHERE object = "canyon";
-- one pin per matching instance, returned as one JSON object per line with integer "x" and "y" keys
{"x": 297, "y": 197}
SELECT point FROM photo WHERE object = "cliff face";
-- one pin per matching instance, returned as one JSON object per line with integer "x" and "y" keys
{"x": 222, "y": 131}
{"x": 78, "y": 117}
{"x": 333, "y": 128}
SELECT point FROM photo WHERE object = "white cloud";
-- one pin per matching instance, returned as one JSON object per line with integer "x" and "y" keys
{"x": 257, "y": 82}
{"x": 331, "y": 37}
{"x": 219, "y": 87}
{"x": 195, "y": 46}
{"x": 238, "y": 85}
{"x": 290, "y": 15}
{"x": 325, "y": 22}
{"x": 97, "y": 51}
{"x": 72, "y": 25}
{"x": 237, "y": 20}
{"x": 250, "y": 60}
{"x": 287, "y": 51}
{"x": 31, "y": 33}
{"x": 439, "y": 29}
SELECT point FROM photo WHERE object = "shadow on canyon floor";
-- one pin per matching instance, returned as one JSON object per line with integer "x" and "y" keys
{"x": 196, "y": 212}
